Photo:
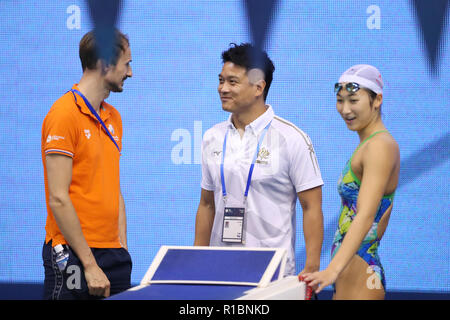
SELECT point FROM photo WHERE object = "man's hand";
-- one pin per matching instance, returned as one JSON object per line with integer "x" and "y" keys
{"x": 97, "y": 281}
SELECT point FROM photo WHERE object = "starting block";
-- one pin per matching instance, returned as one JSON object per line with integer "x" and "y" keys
{"x": 217, "y": 273}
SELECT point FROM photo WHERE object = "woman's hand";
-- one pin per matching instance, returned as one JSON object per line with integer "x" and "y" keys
{"x": 322, "y": 278}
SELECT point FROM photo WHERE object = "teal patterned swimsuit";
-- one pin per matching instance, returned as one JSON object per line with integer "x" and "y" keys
{"x": 348, "y": 188}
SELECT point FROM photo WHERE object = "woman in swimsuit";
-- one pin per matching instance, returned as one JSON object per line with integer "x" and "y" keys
{"x": 366, "y": 186}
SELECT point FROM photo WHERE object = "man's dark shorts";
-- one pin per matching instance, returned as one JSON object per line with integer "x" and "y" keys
{"x": 70, "y": 283}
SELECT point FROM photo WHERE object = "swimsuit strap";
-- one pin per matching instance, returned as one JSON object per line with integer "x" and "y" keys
{"x": 359, "y": 146}
{"x": 365, "y": 140}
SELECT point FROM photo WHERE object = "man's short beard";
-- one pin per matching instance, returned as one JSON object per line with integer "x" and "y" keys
{"x": 114, "y": 87}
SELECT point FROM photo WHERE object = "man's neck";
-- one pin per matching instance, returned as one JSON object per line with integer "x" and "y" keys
{"x": 243, "y": 119}
{"x": 91, "y": 86}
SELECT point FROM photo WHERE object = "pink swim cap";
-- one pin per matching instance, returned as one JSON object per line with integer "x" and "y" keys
{"x": 365, "y": 75}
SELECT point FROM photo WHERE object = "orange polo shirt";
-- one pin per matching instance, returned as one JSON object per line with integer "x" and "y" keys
{"x": 70, "y": 129}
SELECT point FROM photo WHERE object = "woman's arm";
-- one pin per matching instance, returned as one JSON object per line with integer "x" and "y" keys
{"x": 378, "y": 162}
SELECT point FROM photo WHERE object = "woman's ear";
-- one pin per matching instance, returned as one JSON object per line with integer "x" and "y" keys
{"x": 378, "y": 101}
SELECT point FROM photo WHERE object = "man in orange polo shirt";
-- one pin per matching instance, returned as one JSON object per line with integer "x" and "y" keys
{"x": 81, "y": 144}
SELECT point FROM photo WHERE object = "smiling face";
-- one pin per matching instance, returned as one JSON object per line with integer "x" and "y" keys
{"x": 239, "y": 89}
{"x": 357, "y": 108}
{"x": 118, "y": 73}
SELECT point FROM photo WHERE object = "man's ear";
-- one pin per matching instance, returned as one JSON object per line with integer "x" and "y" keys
{"x": 256, "y": 77}
{"x": 260, "y": 86}
{"x": 103, "y": 66}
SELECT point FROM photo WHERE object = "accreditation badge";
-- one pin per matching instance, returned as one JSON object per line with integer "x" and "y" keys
{"x": 233, "y": 224}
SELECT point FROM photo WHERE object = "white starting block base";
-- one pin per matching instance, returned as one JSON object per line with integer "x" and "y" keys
{"x": 288, "y": 288}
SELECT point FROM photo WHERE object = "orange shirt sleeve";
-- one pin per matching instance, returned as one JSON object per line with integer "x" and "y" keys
{"x": 59, "y": 132}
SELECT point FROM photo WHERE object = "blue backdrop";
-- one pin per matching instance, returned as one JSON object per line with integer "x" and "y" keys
{"x": 172, "y": 100}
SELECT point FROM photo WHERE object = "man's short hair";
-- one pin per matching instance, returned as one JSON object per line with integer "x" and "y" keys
{"x": 249, "y": 57}
{"x": 88, "y": 49}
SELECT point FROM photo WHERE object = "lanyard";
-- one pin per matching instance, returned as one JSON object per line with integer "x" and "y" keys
{"x": 250, "y": 172}
{"x": 95, "y": 114}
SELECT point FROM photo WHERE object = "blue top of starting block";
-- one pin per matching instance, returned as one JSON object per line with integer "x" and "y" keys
{"x": 213, "y": 265}
{"x": 184, "y": 292}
